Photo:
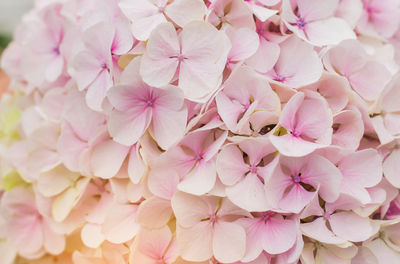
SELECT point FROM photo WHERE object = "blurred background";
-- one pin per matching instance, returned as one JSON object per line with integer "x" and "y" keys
{"x": 11, "y": 12}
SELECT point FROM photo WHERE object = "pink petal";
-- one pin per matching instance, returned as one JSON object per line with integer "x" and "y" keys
{"x": 266, "y": 49}
{"x": 339, "y": 30}
{"x": 87, "y": 67}
{"x": 92, "y": 235}
{"x": 248, "y": 194}
{"x": 84, "y": 121}
{"x": 120, "y": 225}
{"x": 360, "y": 170}
{"x": 351, "y": 127}
{"x": 244, "y": 43}
{"x": 136, "y": 166}
{"x": 189, "y": 210}
{"x": 154, "y": 243}
{"x": 321, "y": 172}
{"x": 230, "y": 165}
{"x": 105, "y": 165}
{"x": 127, "y": 127}
{"x": 154, "y": 212}
{"x": 195, "y": 243}
{"x": 293, "y": 146}
{"x": 342, "y": 225}
{"x": 157, "y": 67}
{"x": 278, "y": 235}
{"x": 144, "y": 15}
{"x": 229, "y": 242}
{"x": 391, "y": 168}
{"x": 370, "y": 80}
{"x": 318, "y": 230}
{"x": 311, "y": 11}
{"x": 298, "y": 63}
{"x": 311, "y": 125}
{"x": 168, "y": 126}
{"x": 200, "y": 179}
{"x": 184, "y": 11}
{"x": 97, "y": 90}
{"x": 98, "y": 39}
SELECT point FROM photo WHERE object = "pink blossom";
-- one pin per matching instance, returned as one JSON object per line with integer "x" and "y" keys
{"x": 295, "y": 181}
{"x": 93, "y": 67}
{"x": 204, "y": 228}
{"x": 315, "y": 23}
{"x": 138, "y": 106}
{"x": 302, "y": 129}
{"x": 168, "y": 53}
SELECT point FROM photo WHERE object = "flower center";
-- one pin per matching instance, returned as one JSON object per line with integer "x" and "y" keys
{"x": 279, "y": 78}
{"x": 301, "y": 23}
{"x": 149, "y": 103}
{"x": 198, "y": 157}
{"x": 253, "y": 169}
{"x": 56, "y": 50}
{"x": 296, "y": 178}
{"x": 326, "y": 216}
{"x": 296, "y": 133}
{"x": 180, "y": 57}
{"x": 213, "y": 218}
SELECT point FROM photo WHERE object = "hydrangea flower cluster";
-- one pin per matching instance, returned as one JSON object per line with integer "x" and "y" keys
{"x": 202, "y": 131}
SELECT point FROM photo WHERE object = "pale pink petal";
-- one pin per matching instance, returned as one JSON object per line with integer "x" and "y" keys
{"x": 321, "y": 172}
{"x": 54, "y": 69}
{"x": 55, "y": 181}
{"x": 154, "y": 243}
{"x": 200, "y": 179}
{"x": 136, "y": 166}
{"x": 87, "y": 67}
{"x": 339, "y": 30}
{"x": 278, "y": 235}
{"x": 318, "y": 230}
{"x": 311, "y": 125}
{"x": 168, "y": 126}
{"x": 360, "y": 170}
{"x": 298, "y": 63}
{"x": 145, "y": 17}
{"x": 296, "y": 199}
{"x": 391, "y": 168}
{"x": 229, "y": 242}
{"x": 285, "y": 145}
{"x": 120, "y": 225}
{"x": 189, "y": 210}
{"x": 127, "y": 127}
{"x": 154, "y": 212}
{"x": 342, "y": 225}
{"x": 105, "y": 165}
{"x": 310, "y": 10}
{"x": 92, "y": 235}
{"x": 157, "y": 67}
{"x": 229, "y": 110}
{"x": 123, "y": 39}
{"x": 254, "y": 229}
{"x": 248, "y": 194}
{"x": 244, "y": 43}
{"x": 370, "y": 80}
{"x": 97, "y": 90}
{"x": 84, "y": 121}
{"x": 69, "y": 146}
{"x": 266, "y": 49}
{"x": 98, "y": 39}
{"x": 185, "y": 11}
{"x": 195, "y": 243}
{"x": 230, "y": 165}
{"x": 350, "y": 129}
